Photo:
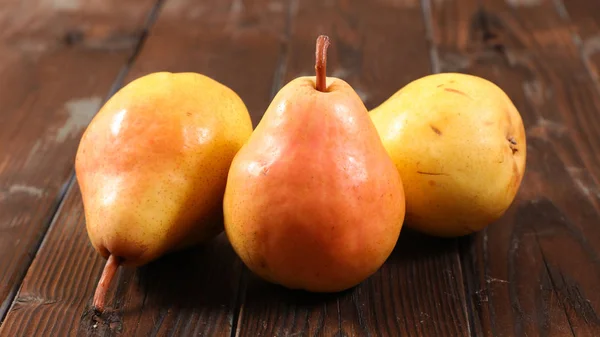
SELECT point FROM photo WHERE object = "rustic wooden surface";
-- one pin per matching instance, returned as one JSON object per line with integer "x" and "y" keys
{"x": 535, "y": 272}
{"x": 57, "y": 64}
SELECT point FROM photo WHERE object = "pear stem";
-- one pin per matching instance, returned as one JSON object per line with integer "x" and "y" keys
{"x": 110, "y": 269}
{"x": 321, "y": 62}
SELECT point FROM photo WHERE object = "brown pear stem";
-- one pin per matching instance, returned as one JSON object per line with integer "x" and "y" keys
{"x": 107, "y": 275}
{"x": 321, "y": 62}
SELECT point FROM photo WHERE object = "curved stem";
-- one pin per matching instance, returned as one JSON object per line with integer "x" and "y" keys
{"x": 107, "y": 275}
{"x": 321, "y": 62}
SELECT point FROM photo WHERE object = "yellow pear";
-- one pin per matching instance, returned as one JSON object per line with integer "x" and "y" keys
{"x": 459, "y": 144}
{"x": 152, "y": 167}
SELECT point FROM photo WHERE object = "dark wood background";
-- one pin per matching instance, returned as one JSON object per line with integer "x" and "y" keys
{"x": 535, "y": 272}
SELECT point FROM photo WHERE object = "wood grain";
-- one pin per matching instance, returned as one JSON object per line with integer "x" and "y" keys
{"x": 58, "y": 61}
{"x": 419, "y": 291}
{"x": 535, "y": 271}
{"x": 416, "y": 293}
{"x": 176, "y": 295}
{"x": 237, "y": 42}
{"x": 188, "y": 293}
{"x": 584, "y": 17}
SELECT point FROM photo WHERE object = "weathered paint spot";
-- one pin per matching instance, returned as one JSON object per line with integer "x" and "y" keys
{"x": 80, "y": 113}
{"x": 237, "y": 6}
{"x": 582, "y": 187}
{"x": 33, "y": 152}
{"x": 524, "y": 3}
{"x": 590, "y": 46}
{"x": 454, "y": 62}
{"x": 69, "y": 5}
{"x": 535, "y": 92}
{"x": 544, "y": 128}
{"x": 31, "y": 190}
{"x": 364, "y": 96}
{"x": 491, "y": 279}
{"x": 581, "y": 178}
{"x": 400, "y": 3}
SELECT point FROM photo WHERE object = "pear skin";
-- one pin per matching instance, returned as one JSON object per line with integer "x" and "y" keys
{"x": 152, "y": 167}
{"x": 313, "y": 201}
{"x": 459, "y": 144}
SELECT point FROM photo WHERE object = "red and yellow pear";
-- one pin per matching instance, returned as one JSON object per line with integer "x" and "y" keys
{"x": 313, "y": 201}
{"x": 152, "y": 167}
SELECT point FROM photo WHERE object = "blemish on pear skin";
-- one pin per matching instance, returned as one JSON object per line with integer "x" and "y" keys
{"x": 457, "y": 92}
{"x": 432, "y": 173}
{"x": 432, "y": 183}
{"x": 516, "y": 175}
{"x": 436, "y": 130}
{"x": 513, "y": 144}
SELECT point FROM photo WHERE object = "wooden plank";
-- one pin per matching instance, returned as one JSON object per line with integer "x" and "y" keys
{"x": 584, "y": 16}
{"x": 237, "y": 42}
{"x": 535, "y": 271}
{"x": 58, "y": 59}
{"x": 189, "y": 293}
{"x": 185, "y": 293}
{"x": 377, "y": 47}
{"x": 417, "y": 292}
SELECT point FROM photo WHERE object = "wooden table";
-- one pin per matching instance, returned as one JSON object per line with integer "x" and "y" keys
{"x": 536, "y": 272}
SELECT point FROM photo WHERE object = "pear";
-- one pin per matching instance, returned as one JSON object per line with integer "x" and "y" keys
{"x": 313, "y": 201}
{"x": 459, "y": 143}
{"x": 152, "y": 167}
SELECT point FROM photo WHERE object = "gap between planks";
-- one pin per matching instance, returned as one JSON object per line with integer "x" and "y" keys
{"x": 563, "y": 12}
{"x": 462, "y": 245}
{"x": 60, "y": 199}
{"x": 277, "y": 83}
{"x": 278, "y": 78}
